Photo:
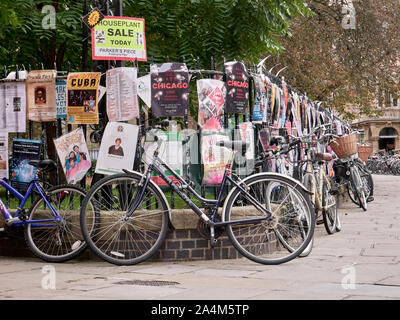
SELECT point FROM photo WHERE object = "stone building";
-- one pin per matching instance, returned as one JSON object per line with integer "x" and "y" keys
{"x": 382, "y": 132}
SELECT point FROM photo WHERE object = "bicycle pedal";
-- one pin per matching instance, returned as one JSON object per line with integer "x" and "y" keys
{"x": 9, "y": 222}
{"x": 320, "y": 222}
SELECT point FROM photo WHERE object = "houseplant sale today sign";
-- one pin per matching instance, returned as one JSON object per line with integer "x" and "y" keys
{"x": 119, "y": 38}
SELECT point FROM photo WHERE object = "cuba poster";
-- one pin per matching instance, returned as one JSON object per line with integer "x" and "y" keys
{"x": 74, "y": 155}
{"x": 82, "y": 95}
{"x": 41, "y": 95}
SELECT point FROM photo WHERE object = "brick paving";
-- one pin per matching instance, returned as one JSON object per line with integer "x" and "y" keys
{"x": 361, "y": 262}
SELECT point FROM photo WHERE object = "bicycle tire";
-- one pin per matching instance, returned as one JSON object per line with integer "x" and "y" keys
{"x": 329, "y": 215}
{"x": 358, "y": 192}
{"x": 285, "y": 221}
{"x": 124, "y": 241}
{"x": 64, "y": 240}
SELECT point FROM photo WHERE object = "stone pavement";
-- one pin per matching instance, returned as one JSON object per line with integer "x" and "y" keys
{"x": 361, "y": 262}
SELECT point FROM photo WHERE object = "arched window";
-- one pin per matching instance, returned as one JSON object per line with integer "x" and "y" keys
{"x": 388, "y": 133}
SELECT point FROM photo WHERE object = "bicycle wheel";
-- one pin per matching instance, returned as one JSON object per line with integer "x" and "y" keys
{"x": 330, "y": 209}
{"x": 56, "y": 241}
{"x": 112, "y": 236}
{"x": 279, "y": 239}
{"x": 357, "y": 189}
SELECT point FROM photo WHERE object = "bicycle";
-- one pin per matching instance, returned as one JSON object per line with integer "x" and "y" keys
{"x": 324, "y": 192}
{"x": 51, "y": 229}
{"x": 124, "y": 217}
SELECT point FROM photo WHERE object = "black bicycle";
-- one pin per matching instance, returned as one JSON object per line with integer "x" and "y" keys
{"x": 267, "y": 216}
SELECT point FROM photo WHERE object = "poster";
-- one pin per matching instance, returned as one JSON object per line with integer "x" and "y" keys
{"x": 74, "y": 155}
{"x": 61, "y": 99}
{"x": 214, "y": 158}
{"x": 82, "y": 94}
{"x": 23, "y": 151}
{"x": 13, "y": 106}
{"x": 3, "y": 154}
{"x": 247, "y": 134}
{"x": 41, "y": 95}
{"x": 170, "y": 152}
{"x": 118, "y": 148}
{"x": 169, "y": 89}
{"x": 260, "y": 100}
{"x": 211, "y": 95}
{"x": 237, "y": 86}
{"x": 119, "y": 38}
{"x": 265, "y": 136}
{"x": 144, "y": 89}
{"x": 122, "y": 99}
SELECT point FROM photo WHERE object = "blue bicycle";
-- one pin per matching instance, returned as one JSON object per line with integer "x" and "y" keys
{"x": 51, "y": 223}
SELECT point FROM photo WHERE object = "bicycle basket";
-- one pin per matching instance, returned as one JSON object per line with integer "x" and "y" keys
{"x": 364, "y": 151}
{"x": 345, "y": 146}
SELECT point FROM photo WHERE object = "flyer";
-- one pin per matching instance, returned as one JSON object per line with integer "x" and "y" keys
{"x": 237, "y": 86}
{"x": 3, "y": 154}
{"x": 22, "y": 173}
{"x": 13, "y": 106}
{"x": 171, "y": 152}
{"x": 122, "y": 98}
{"x": 211, "y": 95}
{"x": 214, "y": 158}
{"x": 82, "y": 94}
{"x": 74, "y": 155}
{"x": 118, "y": 148}
{"x": 144, "y": 89}
{"x": 61, "y": 99}
{"x": 169, "y": 89}
{"x": 41, "y": 95}
{"x": 260, "y": 100}
{"x": 119, "y": 38}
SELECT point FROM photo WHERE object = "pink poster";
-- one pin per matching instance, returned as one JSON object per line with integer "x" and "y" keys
{"x": 211, "y": 95}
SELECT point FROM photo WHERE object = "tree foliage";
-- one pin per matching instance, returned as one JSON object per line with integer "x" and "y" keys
{"x": 234, "y": 29}
{"x": 241, "y": 29}
{"x": 344, "y": 66}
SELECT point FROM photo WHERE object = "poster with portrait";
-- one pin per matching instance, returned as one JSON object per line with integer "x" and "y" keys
{"x": 74, "y": 155}
{"x": 211, "y": 95}
{"x": 61, "y": 99}
{"x": 169, "y": 89}
{"x": 41, "y": 95}
{"x": 122, "y": 98}
{"x": 118, "y": 148}
{"x": 82, "y": 94}
{"x": 214, "y": 158}
{"x": 237, "y": 87}
{"x": 23, "y": 151}
{"x": 3, "y": 154}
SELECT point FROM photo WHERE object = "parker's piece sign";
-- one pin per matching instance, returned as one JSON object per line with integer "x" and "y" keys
{"x": 119, "y": 38}
{"x": 82, "y": 93}
{"x": 169, "y": 89}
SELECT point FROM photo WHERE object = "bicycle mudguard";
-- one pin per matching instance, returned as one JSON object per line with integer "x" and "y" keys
{"x": 158, "y": 189}
{"x": 259, "y": 174}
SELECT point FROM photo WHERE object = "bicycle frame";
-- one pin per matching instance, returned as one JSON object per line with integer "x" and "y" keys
{"x": 23, "y": 199}
{"x": 155, "y": 167}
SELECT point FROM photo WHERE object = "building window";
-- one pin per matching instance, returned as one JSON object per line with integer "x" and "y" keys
{"x": 395, "y": 103}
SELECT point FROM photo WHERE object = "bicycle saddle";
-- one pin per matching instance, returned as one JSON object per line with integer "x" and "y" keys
{"x": 324, "y": 156}
{"x": 44, "y": 165}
